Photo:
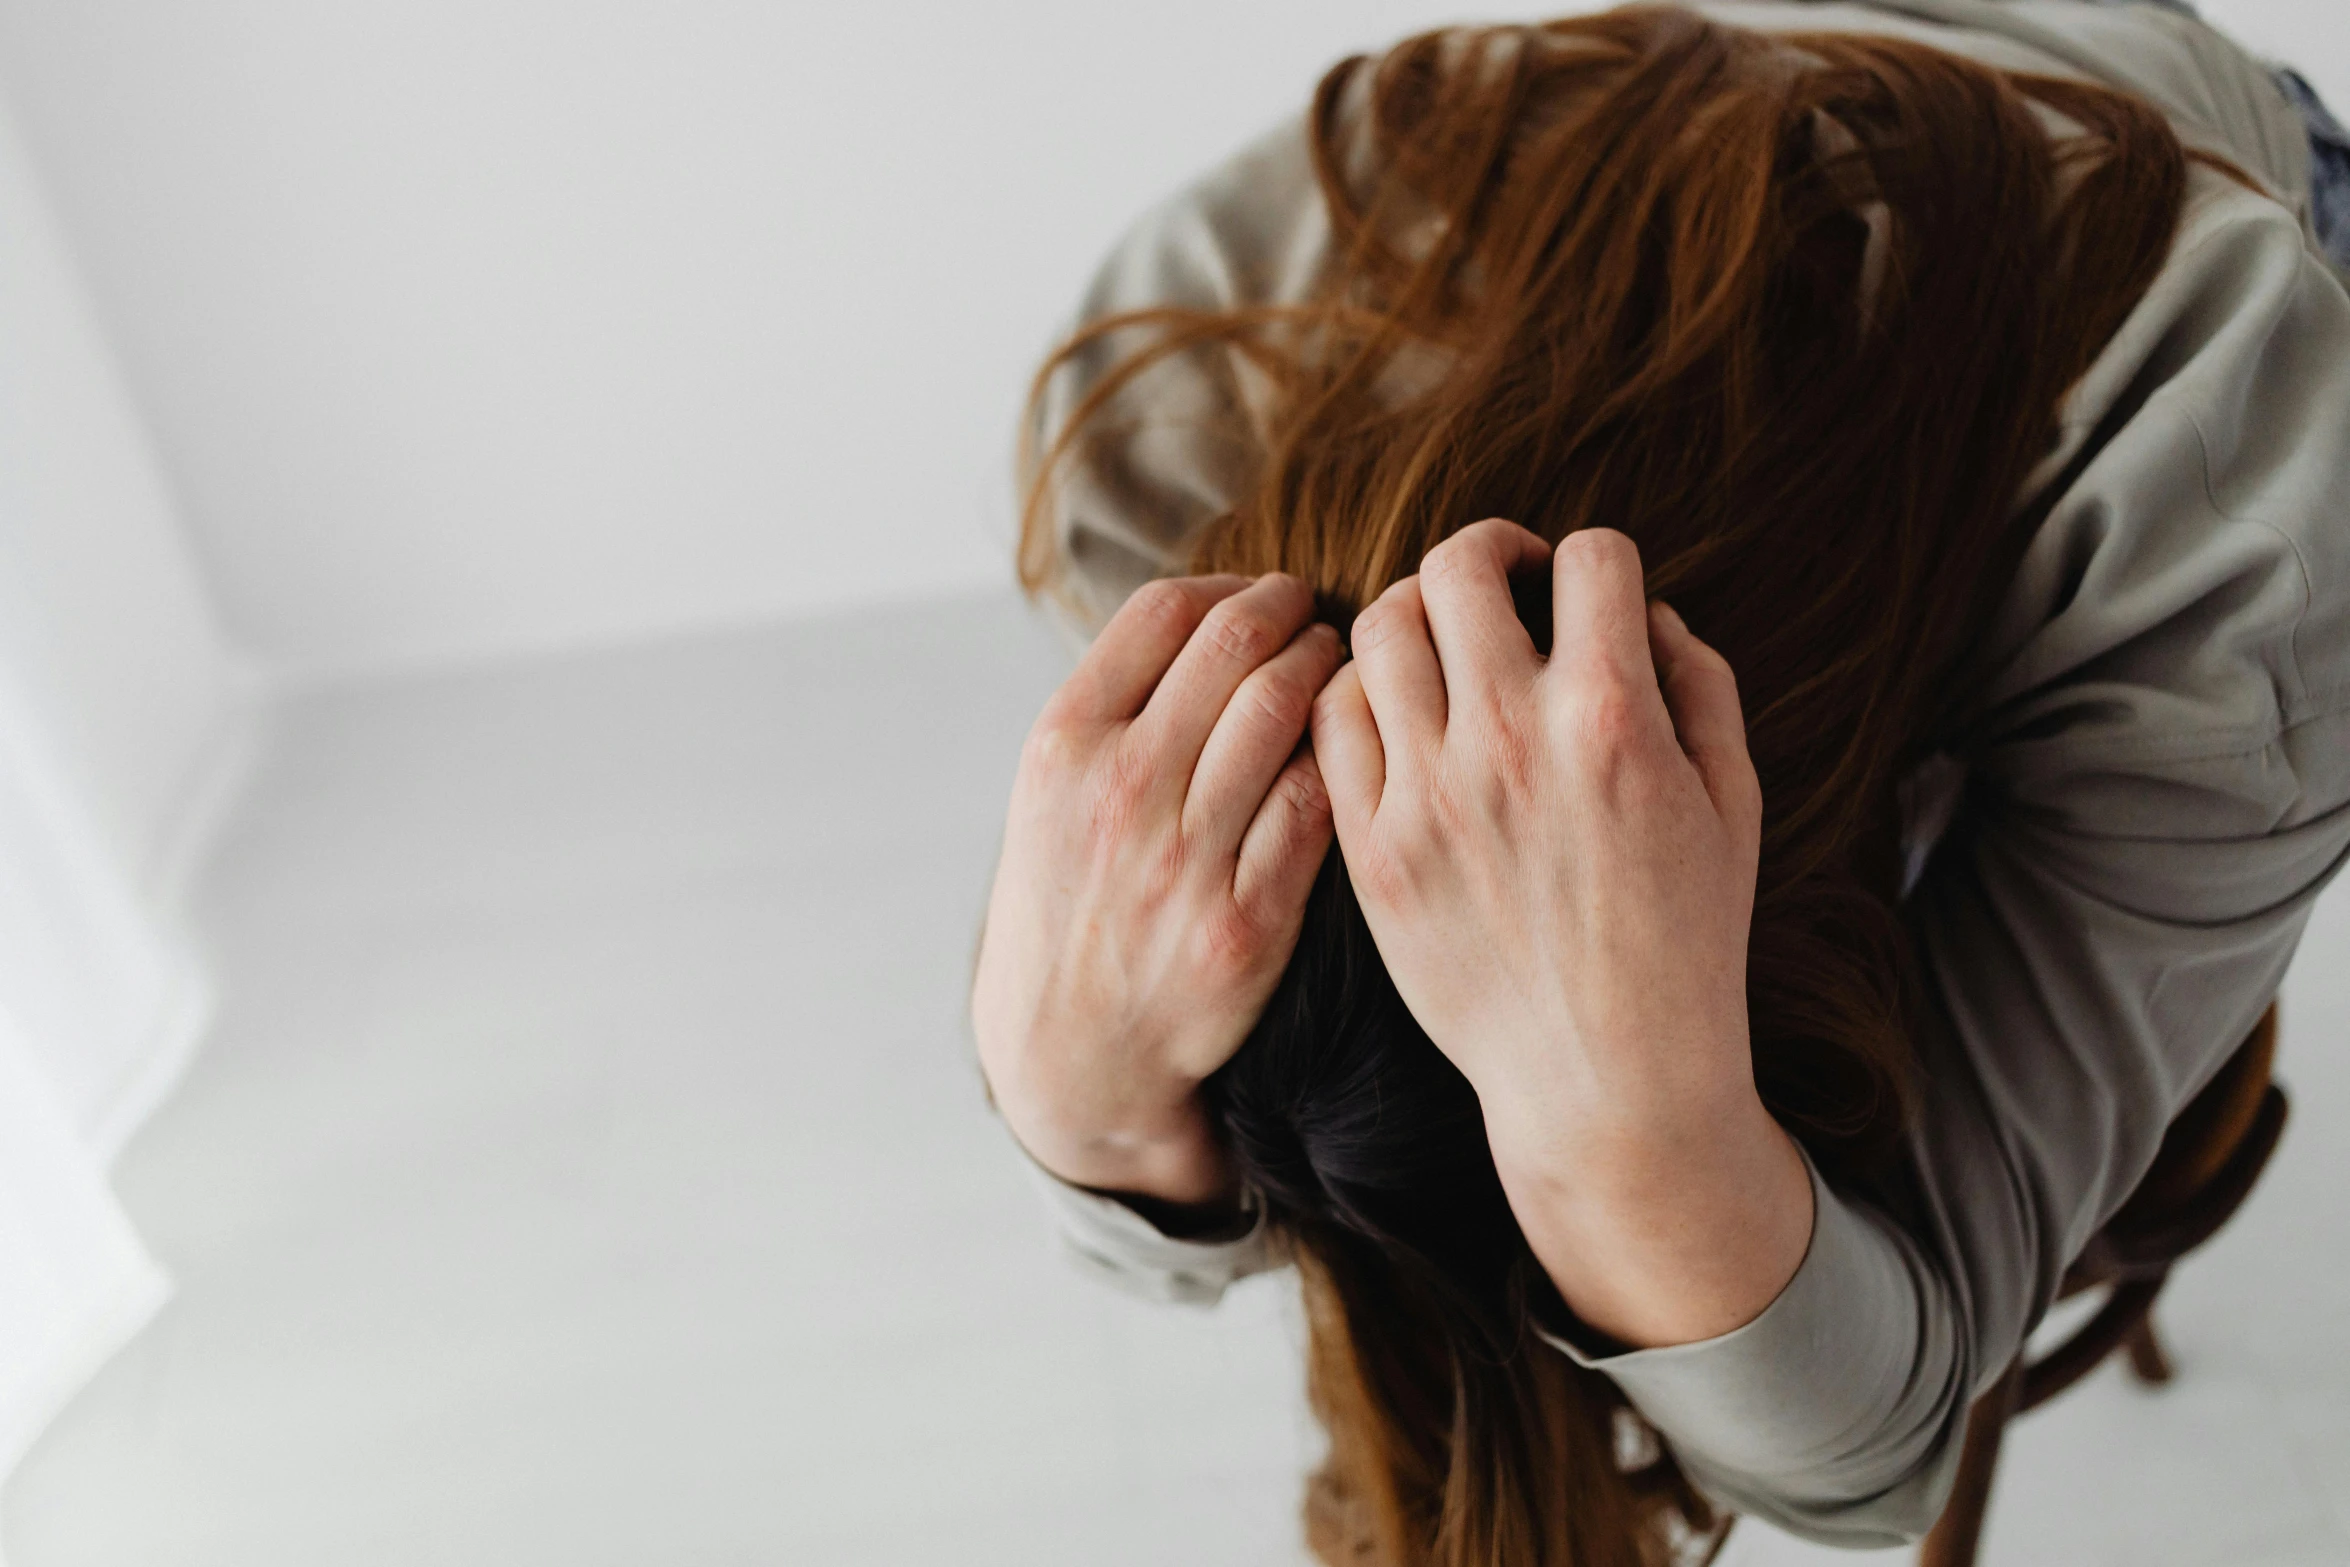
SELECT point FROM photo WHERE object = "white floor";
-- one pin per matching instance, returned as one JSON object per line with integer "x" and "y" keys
{"x": 589, "y": 1169}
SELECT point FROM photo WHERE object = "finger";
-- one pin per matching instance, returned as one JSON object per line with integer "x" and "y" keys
{"x": 1599, "y": 617}
{"x": 1465, "y": 588}
{"x": 1347, "y": 751}
{"x": 1284, "y": 847}
{"x": 1402, "y": 679}
{"x": 1236, "y": 637}
{"x": 1132, "y": 653}
{"x": 1257, "y": 733}
{"x": 1701, "y": 693}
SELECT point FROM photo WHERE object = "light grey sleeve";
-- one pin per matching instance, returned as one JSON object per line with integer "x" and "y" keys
{"x": 2217, "y": 94}
{"x": 2157, "y": 792}
{"x": 1848, "y": 1377}
{"x": 1181, "y": 439}
{"x": 1105, "y": 1238}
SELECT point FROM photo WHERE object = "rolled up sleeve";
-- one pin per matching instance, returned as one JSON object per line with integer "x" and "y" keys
{"x": 1110, "y": 1241}
{"x": 1849, "y": 1376}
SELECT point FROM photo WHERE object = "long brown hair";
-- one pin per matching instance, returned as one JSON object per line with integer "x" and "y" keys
{"x": 1794, "y": 311}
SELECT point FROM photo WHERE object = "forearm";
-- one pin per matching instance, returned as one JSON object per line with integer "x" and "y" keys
{"x": 1664, "y": 1234}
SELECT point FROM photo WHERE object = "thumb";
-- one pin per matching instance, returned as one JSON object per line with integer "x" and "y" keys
{"x": 1701, "y": 694}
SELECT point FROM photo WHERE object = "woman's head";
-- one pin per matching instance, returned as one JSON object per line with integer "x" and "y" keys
{"x": 1796, "y": 313}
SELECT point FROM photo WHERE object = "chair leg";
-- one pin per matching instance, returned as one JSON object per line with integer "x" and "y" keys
{"x": 1959, "y": 1531}
{"x": 2147, "y": 1356}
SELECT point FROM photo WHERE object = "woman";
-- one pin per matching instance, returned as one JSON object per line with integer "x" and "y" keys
{"x": 1840, "y": 513}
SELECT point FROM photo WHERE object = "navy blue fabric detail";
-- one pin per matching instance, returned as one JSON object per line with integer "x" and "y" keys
{"x": 2329, "y": 164}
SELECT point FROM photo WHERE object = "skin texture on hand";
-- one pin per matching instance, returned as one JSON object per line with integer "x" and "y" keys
{"x": 1165, "y": 828}
{"x": 1557, "y": 859}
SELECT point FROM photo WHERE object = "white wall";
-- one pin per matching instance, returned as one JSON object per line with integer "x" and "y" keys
{"x": 471, "y": 326}
{"x": 124, "y": 714}
{"x": 2313, "y": 36}
{"x": 107, "y": 634}
{"x": 120, "y": 716}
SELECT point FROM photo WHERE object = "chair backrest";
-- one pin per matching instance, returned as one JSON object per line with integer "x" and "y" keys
{"x": 2213, "y": 1151}
{"x": 2205, "y": 1136}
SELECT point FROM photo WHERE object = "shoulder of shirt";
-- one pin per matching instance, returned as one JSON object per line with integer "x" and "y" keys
{"x": 2217, "y": 95}
{"x": 1252, "y": 228}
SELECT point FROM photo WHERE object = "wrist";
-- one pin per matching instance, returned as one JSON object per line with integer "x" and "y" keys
{"x": 1161, "y": 1152}
{"x": 1670, "y": 1233}
{"x": 1192, "y": 1175}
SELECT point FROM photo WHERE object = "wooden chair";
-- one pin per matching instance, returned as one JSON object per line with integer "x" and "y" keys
{"x": 2210, "y": 1157}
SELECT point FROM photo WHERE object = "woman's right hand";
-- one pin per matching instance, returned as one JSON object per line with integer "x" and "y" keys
{"x": 1166, "y": 825}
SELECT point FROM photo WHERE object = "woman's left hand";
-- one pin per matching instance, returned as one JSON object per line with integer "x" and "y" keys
{"x": 1557, "y": 859}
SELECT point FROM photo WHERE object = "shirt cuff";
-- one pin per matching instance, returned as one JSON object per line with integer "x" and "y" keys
{"x": 1106, "y": 1238}
{"x": 1834, "y": 1413}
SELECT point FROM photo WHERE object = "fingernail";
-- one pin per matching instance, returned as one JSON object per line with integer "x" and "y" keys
{"x": 1674, "y": 616}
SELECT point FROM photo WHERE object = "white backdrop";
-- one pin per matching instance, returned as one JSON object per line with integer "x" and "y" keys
{"x": 122, "y": 722}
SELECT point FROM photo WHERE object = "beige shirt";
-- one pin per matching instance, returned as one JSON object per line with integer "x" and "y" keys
{"x": 2107, "y": 882}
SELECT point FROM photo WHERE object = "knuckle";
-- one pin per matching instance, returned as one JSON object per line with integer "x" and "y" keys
{"x": 1382, "y": 875}
{"x": 1597, "y": 545}
{"x": 1378, "y": 622}
{"x": 1279, "y": 700}
{"x": 1054, "y": 746}
{"x": 1231, "y": 940}
{"x": 1288, "y": 585}
{"x": 1607, "y": 718}
{"x": 1163, "y": 604}
{"x": 1451, "y": 557}
{"x": 1302, "y": 795}
{"x": 1486, "y": 539}
{"x": 1327, "y": 708}
{"x": 1240, "y": 633}
{"x": 1697, "y": 653}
